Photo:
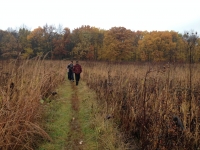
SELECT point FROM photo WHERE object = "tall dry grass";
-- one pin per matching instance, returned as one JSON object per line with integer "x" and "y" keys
{"x": 150, "y": 103}
{"x": 23, "y": 83}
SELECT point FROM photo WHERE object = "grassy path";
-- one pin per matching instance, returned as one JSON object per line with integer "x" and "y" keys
{"x": 68, "y": 119}
{"x": 75, "y": 136}
{"x": 57, "y": 117}
{"x": 74, "y": 121}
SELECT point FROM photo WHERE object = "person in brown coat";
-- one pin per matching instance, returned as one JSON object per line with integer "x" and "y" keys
{"x": 77, "y": 71}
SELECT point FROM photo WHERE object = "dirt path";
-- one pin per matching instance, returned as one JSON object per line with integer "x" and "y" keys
{"x": 75, "y": 136}
{"x": 75, "y": 122}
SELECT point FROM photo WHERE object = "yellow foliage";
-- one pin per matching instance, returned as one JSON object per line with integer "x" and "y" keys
{"x": 118, "y": 44}
{"x": 28, "y": 53}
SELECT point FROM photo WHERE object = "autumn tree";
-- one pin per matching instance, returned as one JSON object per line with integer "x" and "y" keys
{"x": 179, "y": 52}
{"x": 159, "y": 46}
{"x": 138, "y": 35}
{"x": 62, "y": 44}
{"x": 37, "y": 41}
{"x": 118, "y": 44}
{"x": 9, "y": 46}
{"x": 81, "y": 39}
{"x": 87, "y": 42}
{"x": 168, "y": 44}
{"x": 26, "y": 49}
{"x": 49, "y": 35}
{"x": 41, "y": 40}
{"x": 147, "y": 45}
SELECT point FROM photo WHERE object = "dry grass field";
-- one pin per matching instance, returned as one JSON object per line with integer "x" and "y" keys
{"x": 155, "y": 106}
{"x": 24, "y": 84}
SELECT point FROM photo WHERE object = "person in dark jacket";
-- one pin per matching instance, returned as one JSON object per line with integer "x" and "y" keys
{"x": 70, "y": 71}
{"x": 77, "y": 70}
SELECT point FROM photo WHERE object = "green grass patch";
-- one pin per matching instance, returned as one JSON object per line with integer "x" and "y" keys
{"x": 99, "y": 133}
{"x": 87, "y": 99}
{"x": 56, "y": 118}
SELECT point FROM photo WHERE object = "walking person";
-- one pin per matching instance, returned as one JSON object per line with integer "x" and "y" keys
{"x": 77, "y": 70}
{"x": 70, "y": 71}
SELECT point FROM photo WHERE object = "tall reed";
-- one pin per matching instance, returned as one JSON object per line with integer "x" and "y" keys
{"x": 23, "y": 84}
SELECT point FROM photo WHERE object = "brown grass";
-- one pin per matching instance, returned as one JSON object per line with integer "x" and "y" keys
{"x": 23, "y": 84}
{"x": 144, "y": 100}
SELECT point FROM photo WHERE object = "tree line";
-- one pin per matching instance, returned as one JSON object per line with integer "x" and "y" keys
{"x": 91, "y": 43}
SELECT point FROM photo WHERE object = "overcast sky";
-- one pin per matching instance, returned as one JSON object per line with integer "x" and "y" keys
{"x": 160, "y": 15}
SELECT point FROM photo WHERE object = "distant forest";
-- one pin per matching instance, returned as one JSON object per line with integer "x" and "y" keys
{"x": 91, "y": 43}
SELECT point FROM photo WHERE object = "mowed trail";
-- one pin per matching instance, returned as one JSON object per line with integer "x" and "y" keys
{"x": 75, "y": 136}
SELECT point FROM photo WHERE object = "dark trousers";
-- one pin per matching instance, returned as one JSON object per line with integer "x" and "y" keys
{"x": 77, "y": 78}
{"x": 70, "y": 75}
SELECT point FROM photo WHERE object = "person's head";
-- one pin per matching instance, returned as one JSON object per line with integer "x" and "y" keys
{"x": 77, "y": 62}
{"x": 72, "y": 61}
